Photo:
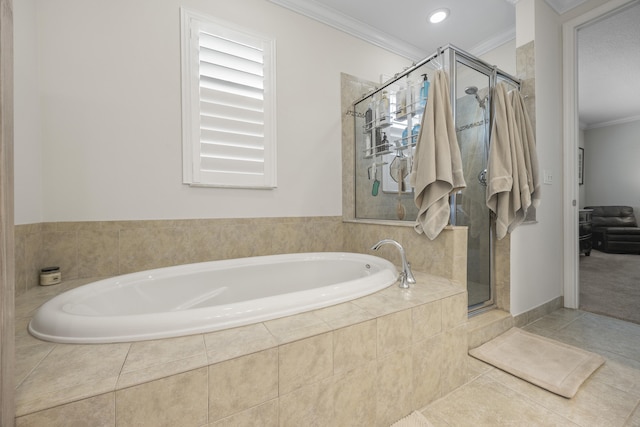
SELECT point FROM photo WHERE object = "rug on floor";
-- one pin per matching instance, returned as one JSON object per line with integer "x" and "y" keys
{"x": 552, "y": 365}
{"x": 415, "y": 419}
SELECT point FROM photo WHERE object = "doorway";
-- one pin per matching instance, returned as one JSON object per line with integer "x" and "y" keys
{"x": 571, "y": 134}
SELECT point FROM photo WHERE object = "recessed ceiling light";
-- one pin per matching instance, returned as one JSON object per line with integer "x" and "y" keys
{"x": 438, "y": 15}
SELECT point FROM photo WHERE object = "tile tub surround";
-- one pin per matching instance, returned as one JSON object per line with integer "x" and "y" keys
{"x": 104, "y": 249}
{"x": 367, "y": 362}
{"x": 108, "y": 248}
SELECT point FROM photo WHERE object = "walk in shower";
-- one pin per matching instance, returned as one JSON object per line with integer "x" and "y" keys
{"x": 387, "y": 123}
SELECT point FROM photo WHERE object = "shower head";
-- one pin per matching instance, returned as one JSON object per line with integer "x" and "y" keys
{"x": 471, "y": 90}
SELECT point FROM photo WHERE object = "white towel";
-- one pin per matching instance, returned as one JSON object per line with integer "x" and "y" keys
{"x": 437, "y": 165}
{"x": 508, "y": 194}
{"x": 528, "y": 144}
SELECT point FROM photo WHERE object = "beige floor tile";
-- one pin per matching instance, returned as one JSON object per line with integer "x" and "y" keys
{"x": 602, "y": 333}
{"x": 476, "y": 367}
{"x": 557, "y": 319}
{"x": 619, "y": 376}
{"x": 595, "y": 403}
{"x": 485, "y": 402}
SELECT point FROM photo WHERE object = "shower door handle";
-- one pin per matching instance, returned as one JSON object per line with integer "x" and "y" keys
{"x": 482, "y": 177}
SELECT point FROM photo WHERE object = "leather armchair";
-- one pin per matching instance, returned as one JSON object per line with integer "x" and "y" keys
{"x": 615, "y": 229}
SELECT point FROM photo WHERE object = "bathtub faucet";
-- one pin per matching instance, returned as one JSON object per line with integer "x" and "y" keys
{"x": 406, "y": 276}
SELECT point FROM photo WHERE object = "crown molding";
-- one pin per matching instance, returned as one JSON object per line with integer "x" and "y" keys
{"x": 494, "y": 42}
{"x": 359, "y": 29}
{"x": 562, "y": 6}
{"x": 353, "y": 27}
{"x": 612, "y": 122}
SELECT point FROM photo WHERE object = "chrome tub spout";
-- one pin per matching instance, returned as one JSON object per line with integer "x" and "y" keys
{"x": 406, "y": 276}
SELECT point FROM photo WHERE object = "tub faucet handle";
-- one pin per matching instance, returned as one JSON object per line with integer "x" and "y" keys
{"x": 410, "y": 277}
{"x": 404, "y": 283}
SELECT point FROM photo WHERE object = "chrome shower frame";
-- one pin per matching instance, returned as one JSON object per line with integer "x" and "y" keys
{"x": 447, "y": 57}
{"x": 455, "y": 56}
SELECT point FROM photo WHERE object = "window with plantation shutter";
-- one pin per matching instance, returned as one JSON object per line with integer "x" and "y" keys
{"x": 228, "y": 105}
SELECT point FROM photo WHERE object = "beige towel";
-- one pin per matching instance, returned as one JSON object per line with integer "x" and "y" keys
{"x": 508, "y": 194}
{"x": 437, "y": 166}
{"x": 529, "y": 145}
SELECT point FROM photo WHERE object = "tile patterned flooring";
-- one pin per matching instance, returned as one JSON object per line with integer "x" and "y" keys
{"x": 610, "y": 397}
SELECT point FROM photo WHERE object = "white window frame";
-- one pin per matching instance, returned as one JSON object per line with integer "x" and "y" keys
{"x": 261, "y": 144}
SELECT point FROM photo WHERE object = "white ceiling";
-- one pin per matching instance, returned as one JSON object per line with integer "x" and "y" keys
{"x": 609, "y": 49}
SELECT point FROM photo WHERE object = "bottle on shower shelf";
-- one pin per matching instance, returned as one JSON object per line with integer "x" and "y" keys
{"x": 385, "y": 143}
{"x": 384, "y": 111}
{"x": 368, "y": 118}
{"x": 401, "y": 104}
{"x": 424, "y": 91}
{"x": 368, "y": 147}
{"x": 405, "y": 136}
{"x": 414, "y": 133}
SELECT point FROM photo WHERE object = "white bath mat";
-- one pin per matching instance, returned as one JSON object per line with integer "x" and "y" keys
{"x": 552, "y": 365}
{"x": 415, "y": 419}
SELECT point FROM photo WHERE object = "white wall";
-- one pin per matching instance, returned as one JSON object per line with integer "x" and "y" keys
{"x": 504, "y": 56}
{"x": 536, "y": 250}
{"x": 28, "y": 153}
{"x": 611, "y": 174}
{"x": 106, "y": 123}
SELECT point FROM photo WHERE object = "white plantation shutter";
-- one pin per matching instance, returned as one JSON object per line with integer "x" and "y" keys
{"x": 228, "y": 105}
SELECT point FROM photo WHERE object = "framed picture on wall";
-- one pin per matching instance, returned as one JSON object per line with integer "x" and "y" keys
{"x": 580, "y": 166}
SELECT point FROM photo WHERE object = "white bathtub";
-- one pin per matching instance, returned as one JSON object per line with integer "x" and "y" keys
{"x": 209, "y": 296}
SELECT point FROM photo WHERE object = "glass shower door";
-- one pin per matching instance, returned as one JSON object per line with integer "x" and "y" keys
{"x": 472, "y": 125}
